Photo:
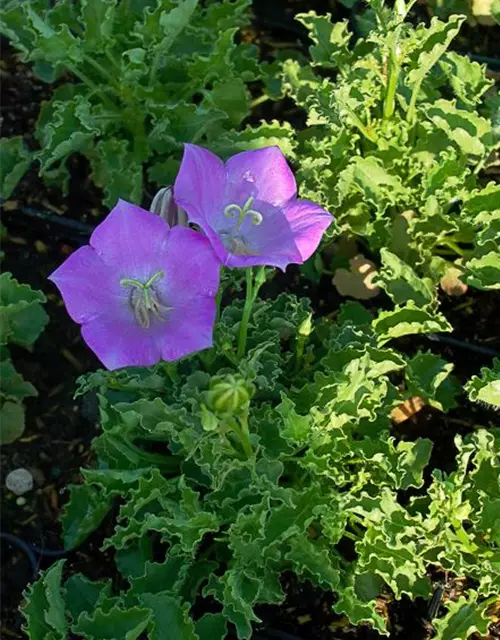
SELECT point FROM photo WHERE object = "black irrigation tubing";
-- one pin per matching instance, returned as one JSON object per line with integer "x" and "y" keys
{"x": 74, "y": 225}
{"x": 461, "y": 344}
{"x": 31, "y": 550}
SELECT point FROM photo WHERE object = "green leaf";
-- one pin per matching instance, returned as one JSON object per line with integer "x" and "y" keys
{"x": 84, "y": 512}
{"x": 467, "y": 78}
{"x": 467, "y": 130}
{"x": 331, "y": 48}
{"x": 15, "y": 158}
{"x": 402, "y": 283}
{"x": 264, "y": 135}
{"x": 434, "y": 42}
{"x": 428, "y": 376}
{"x": 116, "y": 170}
{"x": 115, "y": 623}
{"x": 12, "y": 421}
{"x": 97, "y": 17}
{"x": 408, "y": 320}
{"x": 464, "y": 617}
{"x": 170, "y": 618}
{"x": 486, "y": 387}
{"x": 13, "y": 385}
{"x": 173, "y": 24}
{"x": 43, "y": 606}
{"x": 61, "y": 131}
{"x": 82, "y": 595}
{"x": 22, "y": 317}
{"x": 211, "y": 626}
{"x": 484, "y": 272}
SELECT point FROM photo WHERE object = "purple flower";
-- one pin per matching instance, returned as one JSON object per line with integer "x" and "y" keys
{"x": 248, "y": 207}
{"x": 141, "y": 291}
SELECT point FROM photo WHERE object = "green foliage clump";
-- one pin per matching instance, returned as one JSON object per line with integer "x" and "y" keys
{"x": 22, "y": 319}
{"x": 150, "y": 75}
{"x": 396, "y": 136}
{"x": 223, "y": 473}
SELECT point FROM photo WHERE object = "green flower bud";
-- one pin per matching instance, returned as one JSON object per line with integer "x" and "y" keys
{"x": 229, "y": 394}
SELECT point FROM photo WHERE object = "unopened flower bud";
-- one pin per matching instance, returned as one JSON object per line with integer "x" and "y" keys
{"x": 229, "y": 394}
{"x": 164, "y": 205}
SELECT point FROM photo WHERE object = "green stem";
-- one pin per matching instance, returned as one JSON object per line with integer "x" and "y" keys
{"x": 260, "y": 100}
{"x": 100, "y": 69}
{"x": 364, "y": 130}
{"x": 91, "y": 85}
{"x": 251, "y": 294}
{"x": 245, "y": 437}
{"x": 445, "y": 242}
{"x": 390, "y": 97}
{"x": 154, "y": 67}
{"x": 411, "y": 114}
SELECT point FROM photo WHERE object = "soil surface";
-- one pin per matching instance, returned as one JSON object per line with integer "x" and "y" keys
{"x": 43, "y": 227}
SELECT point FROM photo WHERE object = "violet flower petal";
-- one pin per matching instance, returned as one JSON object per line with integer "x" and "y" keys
{"x": 89, "y": 287}
{"x": 308, "y": 222}
{"x": 131, "y": 240}
{"x": 266, "y": 169}
{"x": 200, "y": 184}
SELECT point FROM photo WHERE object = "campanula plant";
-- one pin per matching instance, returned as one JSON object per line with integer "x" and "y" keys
{"x": 268, "y": 449}
{"x": 135, "y": 81}
{"x": 399, "y": 132}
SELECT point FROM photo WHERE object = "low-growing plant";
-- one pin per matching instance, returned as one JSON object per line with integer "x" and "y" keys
{"x": 223, "y": 473}
{"x": 142, "y": 78}
{"x": 270, "y": 451}
{"x": 22, "y": 320}
{"x": 397, "y": 136}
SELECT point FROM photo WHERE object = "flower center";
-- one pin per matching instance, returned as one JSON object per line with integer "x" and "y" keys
{"x": 144, "y": 299}
{"x": 240, "y": 213}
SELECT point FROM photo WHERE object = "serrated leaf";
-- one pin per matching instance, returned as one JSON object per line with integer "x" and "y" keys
{"x": 331, "y": 40}
{"x": 84, "y": 512}
{"x": 465, "y": 129}
{"x": 22, "y": 318}
{"x": 97, "y": 16}
{"x": 211, "y": 626}
{"x": 115, "y": 623}
{"x": 15, "y": 158}
{"x": 401, "y": 282}
{"x": 170, "y": 618}
{"x": 81, "y": 594}
{"x": 14, "y": 386}
{"x": 464, "y": 617}
{"x": 408, "y": 320}
{"x": 117, "y": 170}
{"x": 264, "y": 135}
{"x": 467, "y": 78}
{"x": 484, "y": 272}
{"x": 428, "y": 376}
{"x": 43, "y": 606}
{"x": 12, "y": 421}
{"x": 486, "y": 387}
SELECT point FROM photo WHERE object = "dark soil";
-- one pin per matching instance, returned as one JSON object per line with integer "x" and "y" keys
{"x": 43, "y": 227}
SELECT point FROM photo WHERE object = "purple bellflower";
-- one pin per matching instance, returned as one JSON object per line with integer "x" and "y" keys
{"x": 141, "y": 291}
{"x": 248, "y": 207}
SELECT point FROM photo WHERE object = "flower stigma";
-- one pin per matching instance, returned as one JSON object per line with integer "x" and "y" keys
{"x": 233, "y": 210}
{"x": 144, "y": 299}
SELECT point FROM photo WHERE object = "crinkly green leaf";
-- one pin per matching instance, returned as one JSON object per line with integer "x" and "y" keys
{"x": 331, "y": 41}
{"x": 15, "y": 158}
{"x": 82, "y": 595}
{"x": 484, "y": 272}
{"x": 402, "y": 283}
{"x": 463, "y": 618}
{"x": 211, "y": 626}
{"x": 84, "y": 512}
{"x": 43, "y": 606}
{"x": 12, "y": 421}
{"x": 406, "y": 320}
{"x": 170, "y": 618}
{"x": 115, "y": 623}
{"x": 428, "y": 376}
{"x": 467, "y": 78}
{"x": 22, "y": 317}
{"x": 465, "y": 129}
{"x": 117, "y": 171}
{"x": 486, "y": 387}
{"x": 13, "y": 384}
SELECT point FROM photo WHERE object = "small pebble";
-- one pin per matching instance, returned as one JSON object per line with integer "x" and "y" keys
{"x": 19, "y": 481}
{"x": 21, "y": 501}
